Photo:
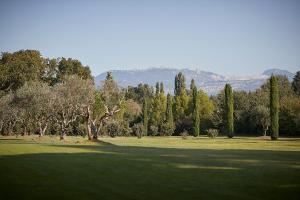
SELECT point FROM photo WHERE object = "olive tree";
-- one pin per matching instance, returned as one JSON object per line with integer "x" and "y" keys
{"x": 261, "y": 117}
{"x": 72, "y": 98}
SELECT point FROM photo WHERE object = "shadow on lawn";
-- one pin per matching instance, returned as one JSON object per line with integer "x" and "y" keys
{"x": 125, "y": 172}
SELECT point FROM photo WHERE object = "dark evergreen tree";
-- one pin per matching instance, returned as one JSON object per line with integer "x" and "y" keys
{"x": 196, "y": 112}
{"x": 157, "y": 88}
{"x": 296, "y": 83}
{"x": 179, "y": 84}
{"x": 145, "y": 116}
{"x": 181, "y": 105}
{"x": 161, "y": 89}
{"x": 274, "y": 107}
{"x": 193, "y": 84}
{"x": 229, "y": 110}
{"x": 169, "y": 125}
{"x": 176, "y": 85}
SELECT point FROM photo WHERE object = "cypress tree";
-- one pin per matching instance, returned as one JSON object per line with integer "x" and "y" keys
{"x": 145, "y": 116}
{"x": 181, "y": 98}
{"x": 181, "y": 83}
{"x": 176, "y": 86}
{"x": 274, "y": 107}
{"x": 169, "y": 112}
{"x": 161, "y": 89}
{"x": 192, "y": 85}
{"x": 229, "y": 110}
{"x": 196, "y": 112}
{"x": 157, "y": 88}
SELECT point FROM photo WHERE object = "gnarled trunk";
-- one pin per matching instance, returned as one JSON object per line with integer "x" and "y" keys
{"x": 42, "y": 129}
{"x": 63, "y": 132}
{"x": 265, "y": 130}
{"x": 88, "y": 123}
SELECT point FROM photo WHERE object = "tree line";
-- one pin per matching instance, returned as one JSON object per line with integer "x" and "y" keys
{"x": 58, "y": 97}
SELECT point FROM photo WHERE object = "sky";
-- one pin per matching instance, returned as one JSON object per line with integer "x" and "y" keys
{"x": 229, "y": 37}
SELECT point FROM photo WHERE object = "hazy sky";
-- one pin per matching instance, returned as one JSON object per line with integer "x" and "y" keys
{"x": 238, "y": 37}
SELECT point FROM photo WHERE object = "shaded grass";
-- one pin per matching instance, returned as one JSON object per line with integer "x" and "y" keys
{"x": 149, "y": 168}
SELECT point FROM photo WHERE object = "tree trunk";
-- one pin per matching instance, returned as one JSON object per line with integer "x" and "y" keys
{"x": 62, "y": 133}
{"x": 265, "y": 130}
{"x": 88, "y": 123}
{"x": 42, "y": 130}
{"x": 24, "y": 131}
{"x": 95, "y": 131}
{"x": 89, "y": 131}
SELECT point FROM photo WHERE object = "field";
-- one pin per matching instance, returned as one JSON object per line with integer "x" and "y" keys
{"x": 149, "y": 168}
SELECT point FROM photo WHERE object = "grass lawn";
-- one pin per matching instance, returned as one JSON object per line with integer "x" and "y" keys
{"x": 149, "y": 168}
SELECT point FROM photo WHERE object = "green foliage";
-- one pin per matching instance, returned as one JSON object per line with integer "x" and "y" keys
{"x": 145, "y": 116}
{"x": 111, "y": 95}
{"x": 161, "y": 88}
{"x": 153, "y": 130}
{"x": 51, "y": 96}
{"x": 139, "y": 93}
{"x": 229, "y": 111}
{"x": 181, "y": 104}
{"x": 138, "y": 130}
{"x": 296, "y": 83}
{"x": 289, "y": 116}
{"x": 261, "y": 117}
{"x": 67, "y": 67}
{"x": 168, "y": 127}
{"x": 113, "y": 128}
{"x": 196, "y": 112}
{"x": 29, "y": 65}
{"x": 274, "y": 107}
{"x": 157, "y": 90}
{"x": 180, "y": 86}
{"x": 18, "y": 67}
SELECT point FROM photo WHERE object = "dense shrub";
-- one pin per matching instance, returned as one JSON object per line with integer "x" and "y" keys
{"x": 113, "y": 129}
{"x": 153, "y": 130}
{"x": 138, "y": 129}
{"x": 167, "y": 129}
{"x": 212, "y": 133}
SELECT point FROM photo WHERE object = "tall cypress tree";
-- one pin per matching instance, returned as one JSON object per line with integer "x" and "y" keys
{"x": 229, "y": 110}
{"x": 176, "y": 86}
{"x": 157, "y": 88}
{"x": 181, "y": 99}
{"x": 196, "y": 112}
{"x": 181, "y": 83}
{"x": 274, "y": 107}
{"x": 145, "y": 116}
{"x": 169, "y": 114}
{"x": 161, "y": 89}
{"x": 193, "y": 84}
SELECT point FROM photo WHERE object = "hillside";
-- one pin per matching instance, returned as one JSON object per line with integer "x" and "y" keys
{"x": 210, "y": 82}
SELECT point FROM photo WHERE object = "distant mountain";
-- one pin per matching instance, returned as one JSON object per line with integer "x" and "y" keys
{"x": 210, "y": 82}
{"x": 286, "y": 73}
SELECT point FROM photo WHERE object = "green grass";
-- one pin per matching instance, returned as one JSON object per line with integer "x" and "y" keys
{"x": 149, "y": 168}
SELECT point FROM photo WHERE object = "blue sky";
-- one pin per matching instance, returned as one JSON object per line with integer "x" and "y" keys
{"x": 230, "y": 37}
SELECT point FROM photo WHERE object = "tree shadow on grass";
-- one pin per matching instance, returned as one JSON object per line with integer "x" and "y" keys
{"x": 122, "y": 172}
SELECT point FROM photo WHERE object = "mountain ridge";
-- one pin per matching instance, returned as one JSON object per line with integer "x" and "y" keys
{"x": 210, "y": 82}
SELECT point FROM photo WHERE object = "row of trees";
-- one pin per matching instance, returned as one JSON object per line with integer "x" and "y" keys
{"x": 58, "y": 96}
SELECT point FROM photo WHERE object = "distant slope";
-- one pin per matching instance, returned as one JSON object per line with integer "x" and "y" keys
{"x": 286, "y": 73}
{"x": 210, "y": 82}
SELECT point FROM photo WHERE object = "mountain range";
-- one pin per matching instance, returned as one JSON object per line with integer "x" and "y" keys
{"x": 210, "y": 82}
